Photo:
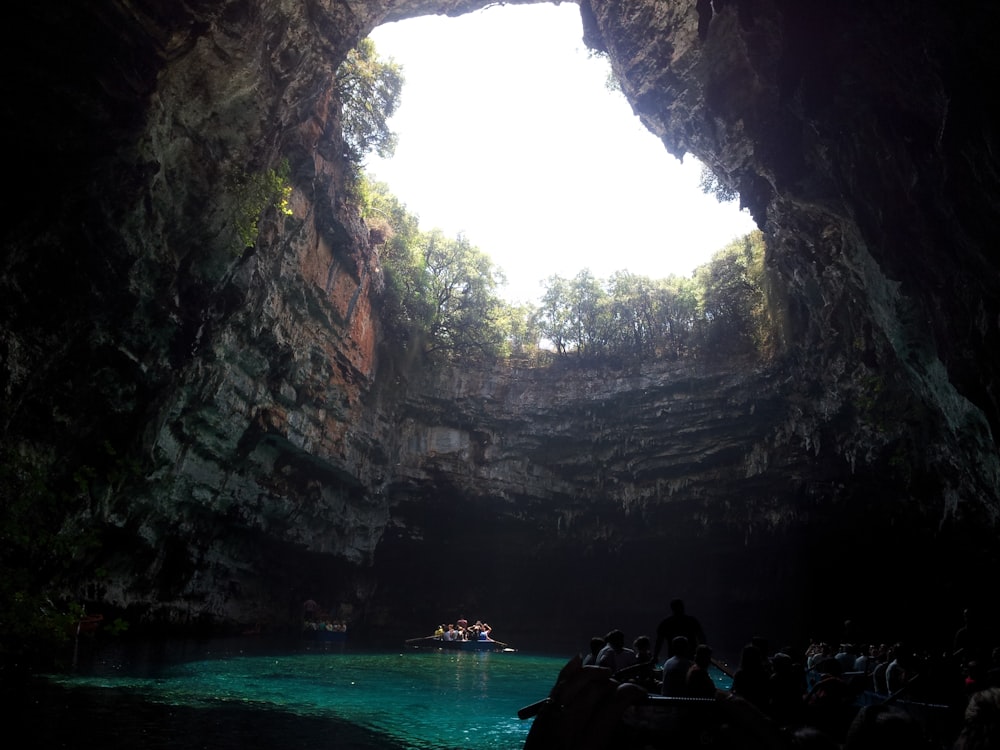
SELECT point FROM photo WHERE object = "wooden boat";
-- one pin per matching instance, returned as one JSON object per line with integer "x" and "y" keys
{"x": 331, "y": 636}
{"x": 587, "y": 710}
{"x": 438, "y": 643}
{"x": 324, "y": 631}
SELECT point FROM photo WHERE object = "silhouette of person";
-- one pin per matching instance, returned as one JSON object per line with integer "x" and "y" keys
{"x": 675, "y": 669}
{"x": 596, "y": 644}
{"x": 969, "y": 644}
{"x": 880, "y": 726}
{"x": 699, "y": 681}
{"x": 641, "y": 673}
{"x": 615, "y": 655}
{"x": 676, "y": 624}
{"x": 750, "y": 680}
{"x": 981, "y": 722}
{"x": 787, "y": 686}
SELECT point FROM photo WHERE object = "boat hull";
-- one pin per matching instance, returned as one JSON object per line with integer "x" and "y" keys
{"x": 443, "y": 645}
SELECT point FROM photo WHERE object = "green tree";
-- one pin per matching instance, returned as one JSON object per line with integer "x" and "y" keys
{"x": 632, "y": 314}
{"x": 395, "y": 234}
{"x": 555, "y": 314}
{"x": 255, "y": 192}
{"x": 440, "y": 295}
{"x": 575, "y": 314}
{"x": 676, "y": 310}
{"x": 466, "y": 315}
{"x": 590, "y": 317}
{"x": 523, "y": 331}
{"x": 711, "y": 184}
{"x": 732, "y": 301}
{"x": 369, "y": 89}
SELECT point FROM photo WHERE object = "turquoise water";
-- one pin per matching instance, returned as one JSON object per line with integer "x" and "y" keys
{"x": 400, "y": 699}
{"x": 415, "y": 699}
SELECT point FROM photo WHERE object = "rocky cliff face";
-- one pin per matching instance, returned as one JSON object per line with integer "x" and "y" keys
{"x": 224, "y": 432}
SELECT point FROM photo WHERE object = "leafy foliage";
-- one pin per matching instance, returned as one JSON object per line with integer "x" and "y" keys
{"x": 441, "y": 293}
{"x": 710, "y": 184}
{"x": 369, "y": 89}
{"x": 253, "y": 194}
{"x": 732, "y": 301}
{"x": 36, "y": 558}
{"x": 441, "y": 298}
{"x": 722, "y": 309}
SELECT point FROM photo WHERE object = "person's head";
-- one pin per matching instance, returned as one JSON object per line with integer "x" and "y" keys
{"x": 681, "y": 646}
{"x": 880, "y": 726}
{"x": 981, "y": 724}
{"x": 596, "y": 644}
{"x": 751, "y": 658}
{"x": 641, "y": 644}
{"x": 703, "y": 656}
{"x": 615, "y": 639}
{"x": 809, "y": 738}
{"x": 783, "y": 664}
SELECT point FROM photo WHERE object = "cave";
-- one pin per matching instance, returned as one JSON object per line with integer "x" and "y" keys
{"x": 200, "y": 433}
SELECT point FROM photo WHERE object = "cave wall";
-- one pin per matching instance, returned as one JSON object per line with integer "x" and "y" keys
{"x": 230, "y": 427}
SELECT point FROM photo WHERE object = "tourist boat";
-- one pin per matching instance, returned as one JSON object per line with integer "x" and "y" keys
{"x": 324, "y": 631}
{"x": 438, "y": 643}
{"x": 587, "y": 708}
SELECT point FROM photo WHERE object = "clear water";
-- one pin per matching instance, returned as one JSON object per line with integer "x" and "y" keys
{"x": 414, "y": 699}
{"x": 396, "y": 699}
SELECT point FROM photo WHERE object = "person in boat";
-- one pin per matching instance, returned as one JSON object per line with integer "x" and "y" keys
{"x": 750, "y": 681}
{"x": 679, "y": 622}
{"x": 676, "y": 668}
{"x": 699, "y": 682}
{"x": 484, "y": 630}
{"x": 899, "y": 670}
{"x": 787, "y": 686}
{"x": 596, "y": 644}
{"x": 450, "y": 634}
{"x": 641, "y": 673}
{"x": 885, "y": 726}
{"x": 615, "y": 655}
{"x": 643, "y": 649}
{"x": 981, "y": 722}
{"x": 969, "y": 643}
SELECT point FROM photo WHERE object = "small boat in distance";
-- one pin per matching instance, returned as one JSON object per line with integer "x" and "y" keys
{"x": 438, "y": 643}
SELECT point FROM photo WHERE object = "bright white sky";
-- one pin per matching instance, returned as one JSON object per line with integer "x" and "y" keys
{"x": 508, "y": 134}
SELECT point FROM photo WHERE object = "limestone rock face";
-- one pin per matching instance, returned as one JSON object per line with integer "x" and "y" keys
{"x": 222, "y": 431}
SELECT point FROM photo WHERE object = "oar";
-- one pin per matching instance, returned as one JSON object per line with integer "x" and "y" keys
{"x": 532, "y": 710}
{"x": 906, "y": 686}
{"x": 425, "y": 638}
{"x": 724, "y": 668}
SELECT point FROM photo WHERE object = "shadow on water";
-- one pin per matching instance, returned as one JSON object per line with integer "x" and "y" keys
{"x": 46, "y": 715}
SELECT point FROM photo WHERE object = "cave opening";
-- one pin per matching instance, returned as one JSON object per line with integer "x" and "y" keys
{"x": 513, "y": 133}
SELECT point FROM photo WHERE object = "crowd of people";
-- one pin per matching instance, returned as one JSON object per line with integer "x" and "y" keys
{"x": 849, "y": 694}
{"x": 461, "y": 630}
{"x": 317, "y": 621}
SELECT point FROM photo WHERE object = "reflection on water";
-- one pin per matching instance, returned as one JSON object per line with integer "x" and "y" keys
{"x": 405, "y": 699}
